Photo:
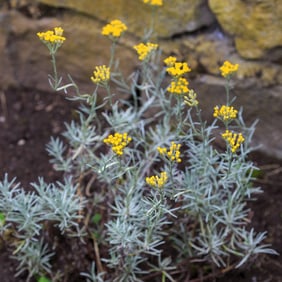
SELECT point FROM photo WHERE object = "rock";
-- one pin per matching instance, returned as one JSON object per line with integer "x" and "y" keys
{"x": 255, "y": 25}
{"x": 24, "y": 52}
{"x": 6, "y": 69}
{"x": 206, "y": 52}
{"x": 259, "y": 104}
{"x": 182, "y": 15}
{"x": 25, "y": 61}
{"x": 84, "y": 48}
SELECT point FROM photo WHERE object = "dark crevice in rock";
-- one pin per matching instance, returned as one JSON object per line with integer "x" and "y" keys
{"x": 212, "y": 29}
{"x": 274, "y": 55}
{"x": 48, "y": 11}
{"x": 35, "y": 10}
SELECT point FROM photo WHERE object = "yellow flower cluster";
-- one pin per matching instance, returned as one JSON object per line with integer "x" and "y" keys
{"x": 145, "y": 50}
{"x": 115, "y": 29}
{"x": 118, "y": 141}
{"x": 170, "y": 61}
{"x": 52, "y": 36}
{"x": 191, "y": 98}
{"x": 228, "y": 68}
{"x": 234, "y": 139}
{"x": 225, "y": 112}
{"x": 101, "y": 75}
{"x": 179, "y": 86}
{"x": 157, "y": 181}
{"x": 174, "y": 152}
{"x": 178, "y": 69}
{"x": 154, "y": 2}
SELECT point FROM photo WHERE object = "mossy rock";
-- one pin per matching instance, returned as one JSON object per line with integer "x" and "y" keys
{"x": 255, "y": 25}
{"x": 174, "y": 17}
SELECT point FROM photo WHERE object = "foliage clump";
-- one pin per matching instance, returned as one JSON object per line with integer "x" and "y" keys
{"x": 166, "y": 200}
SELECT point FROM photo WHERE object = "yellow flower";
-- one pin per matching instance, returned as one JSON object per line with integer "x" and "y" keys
{"x": 52, "y": 36}
{"x": 157, "y": 181}
{"x": 145, "y": 50}
{"x": 162, "y": 151}
{"x": 58, "y": 31}
{"x": 101, "y": 75}
{"x": 179, "y": 86}
{"x": 173, "y": 154}
{"x": 225, "y": 113}
{"x": 154, "y": 2}
{"x": 177, "y": 69}
{"x": 228, "y": 69}
{"x": 170, "y": 61}
{"x": 191, "y": 98}
{"x": 233, "y": 139}
{"x": 115, "y": 29}
{"x": 118, "y": 141}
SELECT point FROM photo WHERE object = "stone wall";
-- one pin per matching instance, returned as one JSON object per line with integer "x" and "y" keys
{"x": 203, "y": 33}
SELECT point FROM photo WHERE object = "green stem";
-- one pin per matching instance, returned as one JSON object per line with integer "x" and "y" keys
{"x": 55, "y": 77}
{"x": 227, "y": 88}
{"x": 202, "y": 125}
{"x": 171, "y": 178}
{"x": 149, "y": 33}
{"x": 152, "y": 24}
{"x": 179, "y": 114}
{"x": 108, "y": 89}
{"x": 113, "y": 49}
{"x": 163, "y": 276}
{"x": 92, "y": 114}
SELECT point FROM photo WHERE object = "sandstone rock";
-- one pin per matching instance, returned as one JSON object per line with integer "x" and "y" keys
{"x": 259, "y": 104}
{"x": 206, "y": 52}
{"x": 6, "y": 71}
{"x": 174, "y": 17}
{"x": 85, "y": 47}
{"x": 24, "y": 52}
{"x": 26, "y": 62}
{"x": 255, "y": 25}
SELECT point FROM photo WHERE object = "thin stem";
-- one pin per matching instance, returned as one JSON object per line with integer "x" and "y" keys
{"x": 55, "y": 77}
{"x": 227, "y": 88}
{"x": 179, "y": 114}
{"x": 149, "y": 32}
{"x": 108, "y": 89}
{"x": 113, "y": 49}
{"x": 152, "y": 24}
{"x": 163, "y": 276}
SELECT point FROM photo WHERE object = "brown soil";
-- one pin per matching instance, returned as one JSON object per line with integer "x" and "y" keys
{"x": 29, "y": 118}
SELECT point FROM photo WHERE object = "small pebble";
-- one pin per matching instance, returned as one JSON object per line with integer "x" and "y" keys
{"x": 21, "y": 142}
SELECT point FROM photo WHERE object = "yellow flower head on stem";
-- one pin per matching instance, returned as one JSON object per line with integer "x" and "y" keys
{"x": 191, "y": 99}
{"x": 173, "y": 153}
{"x": 225, "y": 113}
{"x": 118, "y": 142}
{"x": 52, "y": 36}
{"x": 114, "y": 29}
{"x": 170, "y": 61}
{"x": 179, "y": 86}
{"x": 177, "y": 69}
{"x": 227, "y": 69}
{"x": 58, "y": 31}
{"x": 233, "y": 139}
{"x": 101, "y": 75}
{"x": 157, "y": 181}
{"x": 144, "y": 50}
{"x": 153, "y": 2}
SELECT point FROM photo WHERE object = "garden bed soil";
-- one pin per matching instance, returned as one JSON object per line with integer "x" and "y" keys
{"x": 27, "y": 120}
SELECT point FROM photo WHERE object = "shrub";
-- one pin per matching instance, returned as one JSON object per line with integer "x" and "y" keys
{"x": 167, "y": 202}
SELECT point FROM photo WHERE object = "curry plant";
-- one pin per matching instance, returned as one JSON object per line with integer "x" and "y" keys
{"x": 170, "y": 198}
